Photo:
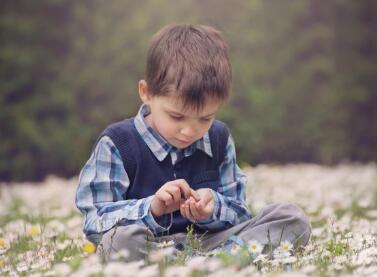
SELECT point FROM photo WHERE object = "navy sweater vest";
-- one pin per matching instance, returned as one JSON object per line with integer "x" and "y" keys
{"x": 147, "y": 174}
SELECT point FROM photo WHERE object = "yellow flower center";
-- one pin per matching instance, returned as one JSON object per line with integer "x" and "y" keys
{"x": 89, "y": 248}
{"x": 3, "y": 243}
{"x": 34, "y": 231}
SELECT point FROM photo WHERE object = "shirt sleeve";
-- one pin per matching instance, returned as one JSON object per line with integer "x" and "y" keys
{"x": 102, "y": 183}
{"x": 230, "y": 197}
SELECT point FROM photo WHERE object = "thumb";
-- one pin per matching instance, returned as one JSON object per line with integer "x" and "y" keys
{"x": 195, "y": 194}
{"x": 206, "y": 199}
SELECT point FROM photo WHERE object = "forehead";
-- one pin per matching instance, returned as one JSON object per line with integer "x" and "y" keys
{"x": 174, "y": 104}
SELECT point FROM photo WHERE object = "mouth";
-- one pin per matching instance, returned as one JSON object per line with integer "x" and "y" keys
{"x": 184, "y": 141}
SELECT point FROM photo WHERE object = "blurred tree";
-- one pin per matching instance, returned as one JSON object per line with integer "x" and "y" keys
{"x": 34, "y": 42}
{"x": 304, "y": 77}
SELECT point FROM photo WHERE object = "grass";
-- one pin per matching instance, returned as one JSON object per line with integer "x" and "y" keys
{"x": 37, "y": 238}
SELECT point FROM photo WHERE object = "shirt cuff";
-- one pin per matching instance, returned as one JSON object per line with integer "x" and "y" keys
{"x": 217, "y": 209}
{"x": 159, "y": 224}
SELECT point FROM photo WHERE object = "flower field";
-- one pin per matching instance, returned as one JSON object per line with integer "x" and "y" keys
{"x": 41, "y": 230}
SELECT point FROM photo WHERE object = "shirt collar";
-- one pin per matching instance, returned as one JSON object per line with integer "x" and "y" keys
{"x": 158, "y": 145}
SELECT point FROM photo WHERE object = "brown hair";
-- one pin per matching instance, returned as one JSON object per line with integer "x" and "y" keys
{"x": 191, "y": 61}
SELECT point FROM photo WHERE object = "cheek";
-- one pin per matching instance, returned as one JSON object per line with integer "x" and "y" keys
{"x": 204, "y": 128}
{"x": 167, "y": 129}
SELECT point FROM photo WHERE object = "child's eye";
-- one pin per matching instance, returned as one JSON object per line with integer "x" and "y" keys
{"x": 176, "y": 116}
{"x": 206, "y": 119}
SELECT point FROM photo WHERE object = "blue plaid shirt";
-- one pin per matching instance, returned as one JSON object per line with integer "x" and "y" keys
{"x": 105, "y": 165}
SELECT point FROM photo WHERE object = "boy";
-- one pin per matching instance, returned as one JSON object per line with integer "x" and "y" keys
{"x": 173, "y": 164}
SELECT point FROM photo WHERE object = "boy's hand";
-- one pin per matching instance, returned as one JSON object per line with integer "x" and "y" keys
{"x": 170, "y": 197}
{"x": 198, "y": 210}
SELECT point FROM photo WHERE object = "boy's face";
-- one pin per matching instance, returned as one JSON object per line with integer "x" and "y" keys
{"x": 180, "y": 127}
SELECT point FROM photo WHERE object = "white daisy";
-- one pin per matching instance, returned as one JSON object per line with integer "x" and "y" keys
{"x": 255, "y": 247}
{"x": 283, "y": 251}
{"x": 286, "y": 245}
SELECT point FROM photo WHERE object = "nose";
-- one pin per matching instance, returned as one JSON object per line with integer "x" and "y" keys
{"x": 188, "y": 131}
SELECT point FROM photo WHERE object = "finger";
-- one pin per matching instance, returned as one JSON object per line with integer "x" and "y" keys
{"x": 175, "y": 192}
{"x": 187, "y": 212}
{"x": 195, "y": 194}
{"x": 199, "y": 206}
{"x": 206, "y": 205}
{"x": 184, "y": 187}
{"x": 165, "y": 196}
{"x": 182, "y": 210}
{"x": 202, "y": 212}
{"x": 187, "y": 201}
{"x": 181, "y": 202}
{"x": 194, "y": 211}
{"x": 186, "y": 190}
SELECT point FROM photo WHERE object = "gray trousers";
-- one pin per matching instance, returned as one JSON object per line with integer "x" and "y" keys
{"x": 281, "y": 221}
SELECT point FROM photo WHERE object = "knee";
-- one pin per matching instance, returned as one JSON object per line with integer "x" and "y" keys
{"x": 298, "y": 220}
{"x": 130, "y": 232}
{"x": 130, "y": 239}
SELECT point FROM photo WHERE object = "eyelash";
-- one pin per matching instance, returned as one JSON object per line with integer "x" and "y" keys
{"x": 179, "y": 118}
{"x": 206, "y": 119}
{"x": 175, "y": 117}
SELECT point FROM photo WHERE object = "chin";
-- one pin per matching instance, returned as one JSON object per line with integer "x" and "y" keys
{"x": 182, "y": 145}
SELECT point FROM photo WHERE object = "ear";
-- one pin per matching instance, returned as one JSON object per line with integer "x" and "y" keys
{"x": 144, "y": 92}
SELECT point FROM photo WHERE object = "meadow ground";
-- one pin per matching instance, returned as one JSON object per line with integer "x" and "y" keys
{"x": 41, "y": 230}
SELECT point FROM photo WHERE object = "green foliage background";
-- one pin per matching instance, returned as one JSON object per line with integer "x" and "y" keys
{"x": 304, "y": 77}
